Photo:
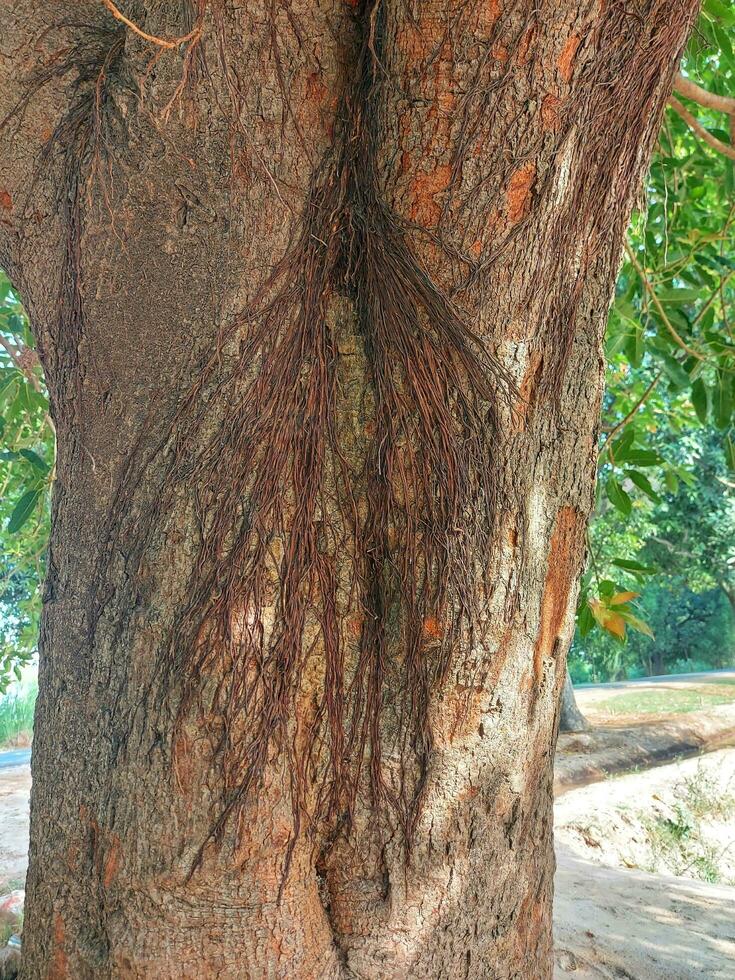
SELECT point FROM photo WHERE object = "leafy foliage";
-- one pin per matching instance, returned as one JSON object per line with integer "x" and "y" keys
{"x": 26, "y": 470}
{"x": 671, "y": 359}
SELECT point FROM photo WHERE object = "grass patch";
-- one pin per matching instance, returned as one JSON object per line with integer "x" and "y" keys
{"x": 654, "y": 701}
{"x": 678, "y": 839}
{"x": 16, "y": 717}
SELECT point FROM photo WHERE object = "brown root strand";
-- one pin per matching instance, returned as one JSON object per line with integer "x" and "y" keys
{"x": 427, "y": 483}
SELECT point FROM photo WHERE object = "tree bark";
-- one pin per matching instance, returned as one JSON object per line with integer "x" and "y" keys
{"x": 571, "y": 718}
{"x": 160, "y": 199}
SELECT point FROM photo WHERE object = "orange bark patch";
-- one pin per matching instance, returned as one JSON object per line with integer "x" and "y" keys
{"x": 316, "y": 90}
{"x": 59, "y": 965}
{"x": 432, "y": 628}
{"x": 487, "y": 14}
{"x": 560, "y": 572}
{"x": 426, "y": 210}
{"x": 500, "y": 52}
{"x": 316, "y": 109}
{"x": 519, "y": 191}
{"x": 476, "y": 248}
{"x": 525, "y": 46}
{"x": 6, "y": 201}
{"x": 421, "y": 37}
{"x": 532, "y": 920}
{"x": 565, "y": 64}
{"x": 354, "y": 625}
{"x": 527, "y": 390}
{"x": 550, "y": 112}
{"x": 112, "y": 861}
{"x": 446, "y": 99}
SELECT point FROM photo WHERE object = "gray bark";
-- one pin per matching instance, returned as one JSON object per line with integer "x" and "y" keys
{"x": 571, "y": 718}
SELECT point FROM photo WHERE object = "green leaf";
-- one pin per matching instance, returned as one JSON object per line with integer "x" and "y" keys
{"x": 585, "y": 621}
{"x": 700, "y": 400}
{"x": 34, "y": 459}
{"x": 685, "y": 476}
{"x": 677, "y": 295}
{"x": 633, "y": 566}
{"x": 722, "y": 401}
{"x": 23, "y": 509}
{"x": 674, "y": 371}
{"x": 634, "y": 346}
{"x": 644, "y": 484}
{"x": 643, "y": 457}
{"x": 621, "y": 447}
{"x": 672, "y": 481}
{"x": 9, "y": 378}
{"x": 729, "y": 446}
{"x": 618, "y": 497}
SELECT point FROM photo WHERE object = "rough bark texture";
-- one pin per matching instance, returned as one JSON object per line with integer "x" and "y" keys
{"x": 148, "y": 193}
{"x": 571, "y": 718}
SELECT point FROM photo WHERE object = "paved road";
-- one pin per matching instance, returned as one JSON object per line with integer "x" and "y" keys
{"x": 15, "y": 757}
{"x": 728, "y": 675}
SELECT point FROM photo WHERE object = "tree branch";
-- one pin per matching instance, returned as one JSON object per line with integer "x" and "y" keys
{"x": 657, "y": 303}
{"x": 621, "y": 425}
{"x": 15, "y": 356}
{"x": 690, "y": 90}
{"x": 698, "y": 128}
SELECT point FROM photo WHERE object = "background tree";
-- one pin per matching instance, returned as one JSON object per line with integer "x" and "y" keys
{"x": 319, "y": 292}
{"x": 670, "y": 373}
{"x": 26, "y": 463}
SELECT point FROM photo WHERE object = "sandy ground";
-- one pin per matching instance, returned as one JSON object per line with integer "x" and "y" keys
{"x": 628, "y": 925}
{"x": 608, "y": 822}
{"x": 613, "y": 922}
{"x": 15, "y": 787}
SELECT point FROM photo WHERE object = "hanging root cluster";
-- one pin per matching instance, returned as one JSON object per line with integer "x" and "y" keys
{"x": 372, "y": 572}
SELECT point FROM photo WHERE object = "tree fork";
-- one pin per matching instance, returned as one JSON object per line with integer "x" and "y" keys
{"x": 314, "y": 575}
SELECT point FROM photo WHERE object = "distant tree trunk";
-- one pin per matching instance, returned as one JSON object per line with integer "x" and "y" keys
{"x": 730, "y": 595}
{"x": 571, "y": 718}
{"x": 725, "y": 657}
{"x": 320, "y": 291}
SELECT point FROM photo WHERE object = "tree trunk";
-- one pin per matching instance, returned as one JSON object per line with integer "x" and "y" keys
{"x": 658, "y": 664}
{"x": 320, "y": 292}
{"x": 730, "y": 596}
{"x": 571, "y": 718}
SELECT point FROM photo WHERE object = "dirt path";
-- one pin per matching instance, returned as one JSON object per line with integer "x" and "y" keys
{"x": 621, "y": 922}
{"x": 15, "y": 788}
{"x": 629, "y": 925}
{"x": 604, "y": 750}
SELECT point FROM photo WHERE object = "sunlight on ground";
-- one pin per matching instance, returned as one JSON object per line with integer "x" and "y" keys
{"x": 667, "y": 700}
